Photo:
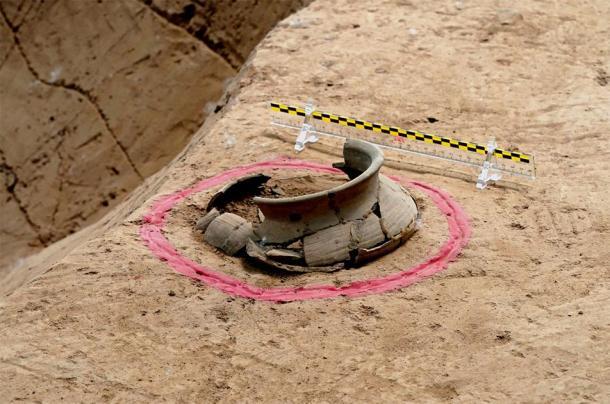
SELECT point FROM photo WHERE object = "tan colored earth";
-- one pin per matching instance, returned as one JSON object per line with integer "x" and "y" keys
{"x": 98, "y": 95}
{"x": 522, "y": 315}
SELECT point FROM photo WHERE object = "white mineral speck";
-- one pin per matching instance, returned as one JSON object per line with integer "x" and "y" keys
{"x": 55, "y": 73}
{"x": 229, "y": 140}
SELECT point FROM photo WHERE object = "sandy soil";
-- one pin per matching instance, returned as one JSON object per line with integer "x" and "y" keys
{"x": 522, "y": 315}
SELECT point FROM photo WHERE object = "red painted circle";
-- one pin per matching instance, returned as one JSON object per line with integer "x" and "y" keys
{"x": 154, "y": 221}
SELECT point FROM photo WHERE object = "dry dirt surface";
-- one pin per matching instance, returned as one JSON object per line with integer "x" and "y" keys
{"x": 522, "y": 315}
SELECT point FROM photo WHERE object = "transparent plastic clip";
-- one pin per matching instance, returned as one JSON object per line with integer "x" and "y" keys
{"x": 306, "y": 133}
{"x": 488, "y": 171}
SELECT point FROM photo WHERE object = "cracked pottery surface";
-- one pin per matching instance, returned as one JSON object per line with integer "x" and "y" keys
{"x": 323, "y": 231}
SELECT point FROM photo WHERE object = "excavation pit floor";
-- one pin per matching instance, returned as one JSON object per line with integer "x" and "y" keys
{"x": 521, "y": 314}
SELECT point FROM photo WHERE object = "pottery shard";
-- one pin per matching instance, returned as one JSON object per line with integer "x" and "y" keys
{"x": 368, "y": 254}
{"x": 235, "y": 189}
{"x": 257, "y": 253}
{"x": 328, "y": 246}
{"x": 367, "y": 233}
{"x": 398, "y": 209}
{"x": 228, "y": 232}
{"x": 283, "y": 254}
{"x": 204, "y": 222}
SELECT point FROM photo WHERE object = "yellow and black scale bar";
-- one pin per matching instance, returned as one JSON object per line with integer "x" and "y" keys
{"x": 394, "y": 131}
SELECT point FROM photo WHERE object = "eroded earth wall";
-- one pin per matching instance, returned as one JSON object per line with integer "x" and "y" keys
{"x": 97, "y": 95}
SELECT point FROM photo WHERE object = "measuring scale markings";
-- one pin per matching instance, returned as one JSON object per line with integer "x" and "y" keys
{"x": 468, "y": 153}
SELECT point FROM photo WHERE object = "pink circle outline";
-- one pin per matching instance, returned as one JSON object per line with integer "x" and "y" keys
{"x": 154, "y": 221}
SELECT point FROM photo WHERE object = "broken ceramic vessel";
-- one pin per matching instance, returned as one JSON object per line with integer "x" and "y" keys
{"x": 344, "y": 226}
